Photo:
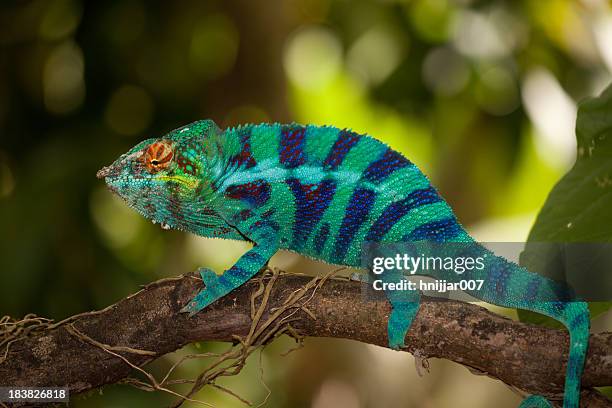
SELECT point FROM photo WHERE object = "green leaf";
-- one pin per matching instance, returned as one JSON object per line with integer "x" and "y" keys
{"x": 579, "y": 210}
{"x": 607, "y": 391}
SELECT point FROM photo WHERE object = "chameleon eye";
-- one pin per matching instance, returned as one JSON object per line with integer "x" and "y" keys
{"x": 158, "y": 156}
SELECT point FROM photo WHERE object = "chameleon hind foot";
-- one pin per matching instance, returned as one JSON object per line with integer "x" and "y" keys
{"x": 207, "y": 295}
{"x": 404, "y": 307}
{"x": 400, "y": 320}
{"x": 535, "y": 401}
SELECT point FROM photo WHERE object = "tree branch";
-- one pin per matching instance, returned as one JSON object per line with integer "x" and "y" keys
{"x": 527, "y": 357}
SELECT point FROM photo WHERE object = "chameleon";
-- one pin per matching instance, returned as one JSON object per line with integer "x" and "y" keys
{"x": 322, "y": 192}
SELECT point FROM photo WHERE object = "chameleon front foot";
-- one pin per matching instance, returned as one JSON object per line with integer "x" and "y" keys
{"x": 207, "y": 295}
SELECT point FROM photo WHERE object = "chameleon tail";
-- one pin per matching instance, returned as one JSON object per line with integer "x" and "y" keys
{"x": 507, "y": 284}
{"x": 510, "y": 285}
{"x": 579, "y": 343}
{"x": 574, "y": 319}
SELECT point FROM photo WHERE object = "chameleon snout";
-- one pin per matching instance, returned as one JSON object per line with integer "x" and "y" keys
{"x": 109, "y": 171}
{"x": 104, "y": 172}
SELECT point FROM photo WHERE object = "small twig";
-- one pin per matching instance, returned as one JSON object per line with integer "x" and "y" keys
{"x": 233, "y": 394}
{"x": 185, "y": 358}
{"x": 261, "y": 379}
{"x": 153, "y": 382}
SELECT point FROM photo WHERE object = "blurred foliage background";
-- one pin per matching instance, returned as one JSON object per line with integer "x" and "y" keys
{"x": 481, "y": 94}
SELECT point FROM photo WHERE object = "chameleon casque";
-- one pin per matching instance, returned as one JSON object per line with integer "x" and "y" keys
{"x": 322, "y": 192}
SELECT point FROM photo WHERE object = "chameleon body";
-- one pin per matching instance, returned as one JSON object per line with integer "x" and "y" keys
{"x": 321, "y": 192}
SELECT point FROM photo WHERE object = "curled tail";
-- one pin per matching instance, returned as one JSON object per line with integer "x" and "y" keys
{"x": 575, "y": 316}
{"x": 509, "y": 285}
{"x": 505, "y": 284}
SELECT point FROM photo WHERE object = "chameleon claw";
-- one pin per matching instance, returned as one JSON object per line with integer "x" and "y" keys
{"x": 396, "y": 344}
{"x": 396, "y": 336}
{"x": 359, "y": 277}
{"x": 206, "y": 296}
{"x": 199, "y": 302}
{"x": 189, "y": 308}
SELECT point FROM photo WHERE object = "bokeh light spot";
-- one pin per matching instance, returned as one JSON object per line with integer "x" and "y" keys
{"x": 214, "y": 46}
{"x": 602, "y": 31}
{"x": 478, "y": 36}
{"x": 553, "y": 113}
{"x": 63, "y": 85}
{"x": 431, "y": 19}
{"x": 61, "y": 18}
{"x": 445, "y": 71}
{"x": 129, "y": 110}
{"x": 375, "y": 55}
{"x": 312, "y": 57}
{"x": 497, "y": 91}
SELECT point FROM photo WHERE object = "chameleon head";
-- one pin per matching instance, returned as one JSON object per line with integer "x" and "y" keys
{"x": 160, "y": 178}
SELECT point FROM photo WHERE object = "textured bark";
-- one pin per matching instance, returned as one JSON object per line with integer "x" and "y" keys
{"x": 528, "y": 357}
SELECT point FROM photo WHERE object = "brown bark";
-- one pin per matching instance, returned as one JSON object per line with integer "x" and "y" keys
{"x": 527, "y": 357}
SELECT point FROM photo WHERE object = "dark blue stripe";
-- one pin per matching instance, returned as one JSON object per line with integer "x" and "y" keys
{"x": 498, "y": 273}
{"x": 273, "y": 225}
{"x": 437, "y": 231}
{"x": 558, "y": 308}
{"x": 345, "y": 141}
{"x": 321, "y": 238}
{"x": 380, "y": 169}
{"x": 291, "y": 147}
{"x": 397, "y": 210}
{"x": 244, "y": 158}
{"x": 311, "y": 201}
{"x": 580, "y": 320}
{"x": 355, "y": 214}
{"x": 563, "y": 291}
{"x": 532, "y": 289}
{"x": 574, "y": 365}
{"x": 221, "y": 231}
{"x": 256, "y": 193}
{"x": 254, "y": 256}
{"x": 233, "y": 277}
